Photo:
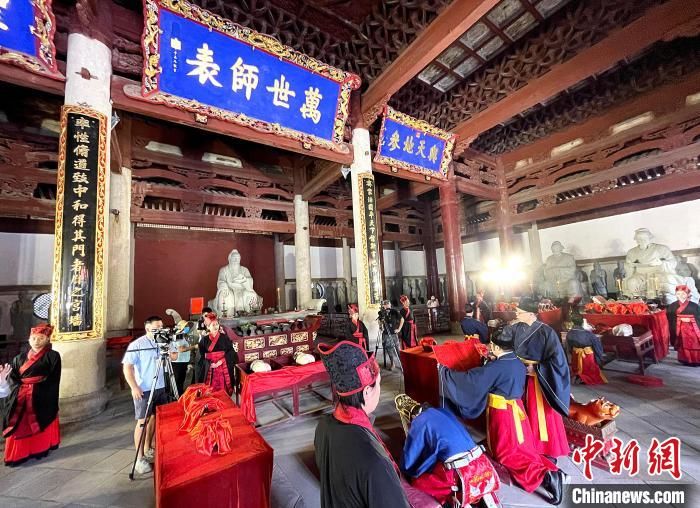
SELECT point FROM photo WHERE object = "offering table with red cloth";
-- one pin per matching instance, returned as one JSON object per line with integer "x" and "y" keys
{"x": 657, "y": 322}
{"x": 420, "y": 375}
{"x": 184, "y": 477}
{"x": 282, "y": 377}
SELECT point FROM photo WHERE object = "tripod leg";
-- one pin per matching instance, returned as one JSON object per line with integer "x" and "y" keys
{"x": 173, "y": 391}
{"x": 147, "y": 417}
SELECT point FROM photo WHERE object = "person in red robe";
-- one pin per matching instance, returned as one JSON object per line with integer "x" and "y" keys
{"x": 30, "y": 408}
{"x": 586, "y": 352}
{"x": 548, "y": 390}
{"x": 408, "y": 330}
{"x": 497, "y": 388}
{"x": 218, "y": 358}
{"x": 357, "y": 331}
{"x": 684, "y": 324}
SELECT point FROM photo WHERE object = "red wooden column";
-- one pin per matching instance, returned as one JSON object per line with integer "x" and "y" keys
{"x": 430, "y": 254}
{"x": 454, "y": 258}
{"x": 505, "y": 231}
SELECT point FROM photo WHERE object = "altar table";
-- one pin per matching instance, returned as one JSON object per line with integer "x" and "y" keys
{"x": 657, "y": 322}
{"x": 292, "y": 378}
{"x": 420, "y": 375}
{"x": 185, "y": 477}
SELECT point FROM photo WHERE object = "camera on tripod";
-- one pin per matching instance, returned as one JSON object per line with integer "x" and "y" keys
{"x": 383, "y": 315}
{"x": 164, "y": 335}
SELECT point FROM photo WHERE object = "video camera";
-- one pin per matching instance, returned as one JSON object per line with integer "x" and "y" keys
{"x": 164, "y": 336}
{"x": 383, "y": 314}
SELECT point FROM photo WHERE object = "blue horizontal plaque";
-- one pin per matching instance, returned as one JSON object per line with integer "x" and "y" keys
{"x": 26, "y": 36}
{"x": 197, "y": 61}
{"x": 412, "y": 144}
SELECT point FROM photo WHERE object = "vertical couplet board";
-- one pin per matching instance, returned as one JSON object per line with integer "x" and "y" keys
{"x": 414, "y": 145}
{"x": 78, "y": 273}
{"x": 27, "y": 29}
{"x": 370, "y": 240}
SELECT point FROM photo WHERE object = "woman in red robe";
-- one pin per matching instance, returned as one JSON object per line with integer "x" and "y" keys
{"x": 357, "y": 331}
{"x": 30, "y": 409}
{"x": 684, "y": 324}
{"x": 408, "y": 330}
{"x": 218, "y": 358}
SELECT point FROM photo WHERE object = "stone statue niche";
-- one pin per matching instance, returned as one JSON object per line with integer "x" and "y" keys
{"x": 561, "y": 280}
{"x": 234, "y": 289}
{"x": 599, "y": 280}
{"x": 650, "y": 269}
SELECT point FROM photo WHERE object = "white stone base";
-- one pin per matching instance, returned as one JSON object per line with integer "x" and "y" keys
{"x": 82, "y": 392}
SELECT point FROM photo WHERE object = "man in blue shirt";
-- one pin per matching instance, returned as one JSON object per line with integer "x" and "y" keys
{"x": 140, "y": 364}
{"x": 471, "y": 326}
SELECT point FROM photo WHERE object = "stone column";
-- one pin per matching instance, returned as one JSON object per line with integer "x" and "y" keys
{"x": 454, "y": 256}
{"x": 533, "y": 237}
{"x": 347, "y": 269}
{"x": 362, "y": 163}
{"x": 120, "y": 246}
{"x": 302, "y": 251}
{"x": 433, "y": 282}
{"x": 279, "y": 275}
{"x": 82, "y": 391}
{"x": 399, "y": 268}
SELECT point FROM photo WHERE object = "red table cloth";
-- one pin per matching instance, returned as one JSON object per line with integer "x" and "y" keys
{"x": 657, "y": 322}
{"x": 287, "y": 378}
{"x": 420, "y": 375}
{"x": 186, "y": 478}
{"x": 552, "y": 318}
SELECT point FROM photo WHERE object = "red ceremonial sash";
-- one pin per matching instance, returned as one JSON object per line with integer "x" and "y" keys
{"x": 24, "y": 406}
{"x": 354, "y": 416}
{"x": 359, "y": 336}
{"x": 213, "y": 339}
{"x": 218, "y": 377}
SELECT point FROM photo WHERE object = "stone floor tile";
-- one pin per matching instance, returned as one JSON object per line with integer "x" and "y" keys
{"x": 78, "y": 457}
{"x": 86, "y": 488}
{"x": 115, "y": 462}
{"x": 16, "y": 502}
{"x": 50, "y": 480}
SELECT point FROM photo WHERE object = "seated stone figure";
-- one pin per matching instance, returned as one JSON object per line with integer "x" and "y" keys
{"x": 234, "y": 289}
{"x": 560, "y": 274}
{"x": 651, "y": 269}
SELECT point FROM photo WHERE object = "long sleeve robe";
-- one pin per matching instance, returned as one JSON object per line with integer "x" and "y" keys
{"x": 684, "y": 325}
{"x": 223, "y": 344}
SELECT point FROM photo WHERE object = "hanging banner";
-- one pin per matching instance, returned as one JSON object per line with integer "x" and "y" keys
{"x": 197, "y": 61}
{"x": 370, "y": 239}
{"x": 27, "y": 28}
{"x": 78, "y": 283}
{"x": 408, "y": 143}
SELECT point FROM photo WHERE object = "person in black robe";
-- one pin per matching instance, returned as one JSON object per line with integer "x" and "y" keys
{"x": 29, "y": 408}
{"x": 356, "y": 469}
{"x": 482, "y": 310}
{"x": 497, "y": 388}
{"x": 408, "y": 329}
{"x": 548, "y": 389}
{"x": 218, "y": 358}
{"x": 471, "y": 326}
{"x": 356, "y": 330}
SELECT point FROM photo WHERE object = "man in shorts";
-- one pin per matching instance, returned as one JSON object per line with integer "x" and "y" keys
{"x": 140, "y": 364}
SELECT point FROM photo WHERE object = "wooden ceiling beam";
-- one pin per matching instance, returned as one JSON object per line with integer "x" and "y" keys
{"x": 465, "y": 186}
{"x": 126, "y": 95}
{"x": 452, "y": 22}
{"x": 665, "y": 185}
{"x": 329, "y": 173}
{"x": 403, "y": 193}
{"x": 404, "y": 174}
{"x": 660, "y": 101}
{"x": 657, "y": 23}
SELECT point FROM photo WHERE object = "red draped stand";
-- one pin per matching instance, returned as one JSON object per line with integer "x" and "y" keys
{"x": 656, "y": 322}
{"x": 421, "y": 375}
{"x": 185, "y": 478}
{"x": 291, "y": 378}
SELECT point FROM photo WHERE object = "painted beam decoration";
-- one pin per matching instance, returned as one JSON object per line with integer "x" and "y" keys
{"x": 78, "y": 285}
{"x": 27, "y": 28}
{"x": 369, "y": 218}
{"x": 197, "y": 61}
{"x": 414, "y": 145}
